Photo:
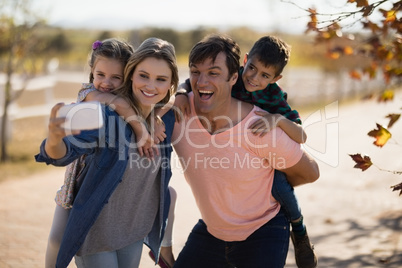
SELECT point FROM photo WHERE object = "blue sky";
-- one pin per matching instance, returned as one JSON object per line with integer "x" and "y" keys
{"x": 262, "y": 15}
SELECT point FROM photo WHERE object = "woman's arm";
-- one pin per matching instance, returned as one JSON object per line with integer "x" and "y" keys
{"x": 55, "y": 147}
{"x": 146, "y": 144}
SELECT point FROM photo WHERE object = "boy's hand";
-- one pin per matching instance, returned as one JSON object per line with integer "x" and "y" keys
{"x": 181, "y": 107}
{"x": 159, "y": 130}
{"x": 146, "y": 145}
{"x": 265, "y": 124}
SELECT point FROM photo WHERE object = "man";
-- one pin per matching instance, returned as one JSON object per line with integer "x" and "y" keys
{"x": 230, "y": 170}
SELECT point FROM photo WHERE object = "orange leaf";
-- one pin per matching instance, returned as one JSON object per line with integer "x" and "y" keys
{"x": 348, "y": 50}
{"x": 381, "y": 134}
{"x": 392, "y": 119}
{"x": 355, "y": 75}
{"x": 362, "y": 162}
{"x": 334, "y": 55}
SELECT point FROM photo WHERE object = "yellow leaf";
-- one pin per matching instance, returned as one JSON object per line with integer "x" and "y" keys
{"x": 387, "y": 95}
{"x": 381, "y": 134}
{"x": 390, "y": 16}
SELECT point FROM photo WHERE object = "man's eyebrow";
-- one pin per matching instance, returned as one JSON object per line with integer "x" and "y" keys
{"x": 215, "y": 67}
{"x": 209, "y": 68}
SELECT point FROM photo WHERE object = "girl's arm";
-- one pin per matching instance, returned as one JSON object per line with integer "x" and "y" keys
{"x": 270, "y": 121}
{"x": 179, "y": 102}
{"x": 144, "y": 139}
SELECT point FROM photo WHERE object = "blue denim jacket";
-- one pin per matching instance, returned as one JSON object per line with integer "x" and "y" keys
{"x": 106, "y": 161}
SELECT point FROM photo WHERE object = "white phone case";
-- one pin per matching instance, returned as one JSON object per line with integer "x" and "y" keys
{"x": 82, "y": 116}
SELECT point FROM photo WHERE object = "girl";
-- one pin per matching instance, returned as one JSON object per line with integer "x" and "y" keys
{"x": 96, "y": 231}
{"x": 107, "y": 62}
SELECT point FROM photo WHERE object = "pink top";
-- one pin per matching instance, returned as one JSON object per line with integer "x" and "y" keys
{"x": 231, "y": 173}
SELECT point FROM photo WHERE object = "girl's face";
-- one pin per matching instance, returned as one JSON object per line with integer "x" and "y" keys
{"x": 108, "y": 74}
{"x": 151, "y": 81}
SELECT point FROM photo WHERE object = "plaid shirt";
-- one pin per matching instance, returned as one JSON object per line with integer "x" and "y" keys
{"x": 271, "y": 99}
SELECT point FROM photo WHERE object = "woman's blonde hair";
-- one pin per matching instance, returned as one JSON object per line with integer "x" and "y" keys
{"x": 150, "y": 48}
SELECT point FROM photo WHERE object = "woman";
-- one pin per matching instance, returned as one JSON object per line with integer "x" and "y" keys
{"x": 123, "y": 199}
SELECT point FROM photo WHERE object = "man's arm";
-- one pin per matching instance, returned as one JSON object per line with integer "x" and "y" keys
{"x": 305, "y": 171}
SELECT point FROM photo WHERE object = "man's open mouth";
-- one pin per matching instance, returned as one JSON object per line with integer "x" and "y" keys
{"x": 205, "y": 94}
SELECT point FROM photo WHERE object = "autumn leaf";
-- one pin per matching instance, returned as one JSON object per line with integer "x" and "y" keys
{"x": 362, "y": 162}
{"x": 333, "y": 55}
{"x": 397, "y": 187}
{"x": 387, "y": 95}
{"x": 355, "y": 75}
{"x": 348, "y": 50}
{"x": 359, "y": 3}
{"x": 367, "y": 10}
{"x": 381, "y": 134}
{"x": 392, "y": 119}
{"x": 371, "y": 70}
{"x": 390, "y": 16}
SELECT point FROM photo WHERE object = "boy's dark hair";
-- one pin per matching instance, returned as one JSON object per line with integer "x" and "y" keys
{"x": 271, "y": 51}
{"x": 112, "y": 49}
{"x": 211, "y": 45}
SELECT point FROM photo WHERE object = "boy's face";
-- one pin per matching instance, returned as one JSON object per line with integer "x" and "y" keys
{"x": 256, "y": 76}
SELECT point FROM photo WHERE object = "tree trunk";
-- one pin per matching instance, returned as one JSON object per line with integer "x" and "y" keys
{"x": 4, "y": 157}
{"x": 4, "y": 153}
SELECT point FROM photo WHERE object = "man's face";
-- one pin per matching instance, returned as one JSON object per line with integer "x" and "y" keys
{"x": 211, "y": 85}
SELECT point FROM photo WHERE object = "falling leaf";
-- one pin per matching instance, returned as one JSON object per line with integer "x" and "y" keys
{"x": 381, "y": 134}
{"x": 397, "y": 187}
{"x": 361, "y": 162}
{"x": 392, "y": 119}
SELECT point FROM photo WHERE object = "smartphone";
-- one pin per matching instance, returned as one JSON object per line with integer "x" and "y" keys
{"x": 82, "y": 116}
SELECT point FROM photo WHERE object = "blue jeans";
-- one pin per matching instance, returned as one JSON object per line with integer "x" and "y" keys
{"x": 127, "y": 257}
{"x": 265, "y": 248}
{"x": 284, "y": 193}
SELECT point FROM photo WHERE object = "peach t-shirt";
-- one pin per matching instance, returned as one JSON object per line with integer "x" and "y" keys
{"x": 231, "y": 173}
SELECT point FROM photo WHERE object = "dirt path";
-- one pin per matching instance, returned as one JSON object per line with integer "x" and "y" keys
{"x": 353, "y": 218}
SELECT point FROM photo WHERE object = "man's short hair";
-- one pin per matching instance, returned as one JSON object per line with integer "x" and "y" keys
{"x": 211, "y": 45}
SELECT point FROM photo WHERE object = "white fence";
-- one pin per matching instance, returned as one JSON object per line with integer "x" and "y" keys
{"x": 303, "y": 85}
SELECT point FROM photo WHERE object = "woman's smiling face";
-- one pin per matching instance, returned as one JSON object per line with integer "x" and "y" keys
{"x": 152, "y": 79}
